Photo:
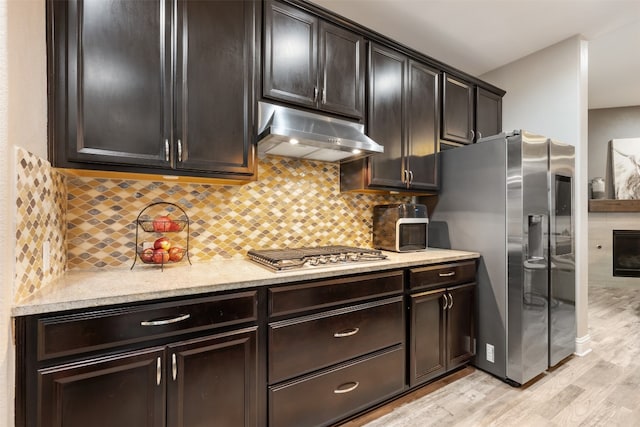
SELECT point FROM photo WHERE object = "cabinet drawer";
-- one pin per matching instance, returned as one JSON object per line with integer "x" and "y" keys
{"x": 321, "y": 399}
{"x": 325, "y": 293}
{"x": 438, "y": 276}
{"x": 95, "y": 330}
{"x": 309, "y": 343}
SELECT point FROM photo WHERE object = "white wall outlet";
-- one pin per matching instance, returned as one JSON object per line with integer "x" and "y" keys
{"x": 46, "y": 256}
{"x": 490, "y": 353}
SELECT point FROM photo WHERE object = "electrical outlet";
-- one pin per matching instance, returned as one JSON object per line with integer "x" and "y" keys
{"x": 490, "y": 353}
{"x": 46, "y": 257}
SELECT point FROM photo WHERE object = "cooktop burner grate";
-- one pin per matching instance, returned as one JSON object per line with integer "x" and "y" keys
{"x": 291, "y": 258}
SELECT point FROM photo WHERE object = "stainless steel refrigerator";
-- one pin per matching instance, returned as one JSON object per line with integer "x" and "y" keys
{"x": 510, "y": 198}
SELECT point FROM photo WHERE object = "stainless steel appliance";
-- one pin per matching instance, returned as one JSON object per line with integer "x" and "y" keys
{"x": 321, "y": 256}
{"x": 400, "y": 227}
{"x": 284, "y": 131}
{"x": 510, "y": 197}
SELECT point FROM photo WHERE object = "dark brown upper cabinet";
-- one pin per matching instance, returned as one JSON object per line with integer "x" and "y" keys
{"x": 154, "y": 87}
{"x": 488, "y": 113}
{"x": 311, "y": 62}
{"x": 403, "y": 117}
{"x": 457, "y": 110}
{"x": 469, "y": 112}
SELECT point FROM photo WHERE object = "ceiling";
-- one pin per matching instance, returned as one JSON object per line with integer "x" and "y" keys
{"x": 477, "y": 36}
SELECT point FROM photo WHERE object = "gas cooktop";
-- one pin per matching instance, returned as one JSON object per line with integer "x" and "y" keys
{"x": 325, "y": 256}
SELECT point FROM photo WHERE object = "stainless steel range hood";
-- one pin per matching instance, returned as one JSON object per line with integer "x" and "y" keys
{"x": 289, "y": 132}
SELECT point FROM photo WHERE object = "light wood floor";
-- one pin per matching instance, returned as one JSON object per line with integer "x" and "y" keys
{"x": 599, "y": 389}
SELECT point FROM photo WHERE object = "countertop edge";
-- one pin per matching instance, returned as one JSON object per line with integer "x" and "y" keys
{"x": 59, "y": 296}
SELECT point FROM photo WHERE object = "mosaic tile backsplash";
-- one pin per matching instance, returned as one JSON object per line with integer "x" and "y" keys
{"x": 90, "y": 223}
{"x": 41, "y": 201}
{"x": 293, "y": 203}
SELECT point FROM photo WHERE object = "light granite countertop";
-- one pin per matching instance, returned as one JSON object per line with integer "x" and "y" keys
{"x": 85, "y": 289}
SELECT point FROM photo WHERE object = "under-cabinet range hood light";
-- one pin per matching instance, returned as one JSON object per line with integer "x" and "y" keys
{"x": 289, "y": 132}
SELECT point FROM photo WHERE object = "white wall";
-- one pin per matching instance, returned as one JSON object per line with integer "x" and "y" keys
{"x": 606, "y": 124}
{"x": 547, "y": 94}
{"x": 6, "y": 252}
{"x": 23, "y": 122}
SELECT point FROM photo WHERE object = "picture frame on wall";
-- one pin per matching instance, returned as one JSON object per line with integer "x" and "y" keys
{"x": 625, "y": 165}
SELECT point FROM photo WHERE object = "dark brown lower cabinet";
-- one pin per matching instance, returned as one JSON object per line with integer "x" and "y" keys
{"x": 212, "y": 381}
{"x": 205, "y": 381}
{"x": 336, "y": 348}
{"x": 126, "y": 390}
{"x": 442, "y": 331}
{"x": 329, "y": 349}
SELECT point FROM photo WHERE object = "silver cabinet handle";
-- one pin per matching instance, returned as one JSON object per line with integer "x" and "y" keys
{"x": 158, "y": 371}
{"x": 166, "y": 150}
{"x": 347, "y": 333}
{"x": 410, "y": 176}
{"x": 450, "y": 301}
{"x": 479, "y": 134}
{"x": 343, "y": 389}
{"x": 446, "y": 302}
{"x": 405, "y": 177}
{"x": 179, "y": 150}
{"x": 174, "y": 366}
{"x": 449, "y": 274}
{"x": 324, "y": 95}
{"x": 473, "y": 135}
{"x": 165, "y": 321}
{"x": 315, "y": 93}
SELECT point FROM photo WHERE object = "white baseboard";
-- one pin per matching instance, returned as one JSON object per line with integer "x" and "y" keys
{"x": 583, "y": 345}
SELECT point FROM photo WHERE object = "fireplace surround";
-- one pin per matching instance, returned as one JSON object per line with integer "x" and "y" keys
{"x": 626, "y": 253}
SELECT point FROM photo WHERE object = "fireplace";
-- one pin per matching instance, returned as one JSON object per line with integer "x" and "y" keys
{"x": 626, "y": 253}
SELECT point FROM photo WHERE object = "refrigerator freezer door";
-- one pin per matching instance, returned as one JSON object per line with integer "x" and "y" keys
{"x": 562, "y": 301}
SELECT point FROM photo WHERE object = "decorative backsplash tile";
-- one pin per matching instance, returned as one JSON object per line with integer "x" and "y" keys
{"x": 90, "y": 223}
{"x": 40, "y": 219}
{"x": 293, "y": 203}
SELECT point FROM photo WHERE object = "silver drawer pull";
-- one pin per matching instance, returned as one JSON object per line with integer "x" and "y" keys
{"x": 165, "y": 321}
{"x": 449, "y": 274}
{"x": 347, "y": 333}
{"x": 350, "y": 386}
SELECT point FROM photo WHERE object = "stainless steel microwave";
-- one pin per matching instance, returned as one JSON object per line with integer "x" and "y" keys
{"x": 400, "y": 227}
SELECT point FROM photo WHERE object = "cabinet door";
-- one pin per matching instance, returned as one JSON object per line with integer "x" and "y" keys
{"x": 212, "y": 381}
{"x": 461, "y": 329}
{"x": 214, "y": 84}
{"x": 488, "y": 113}
{"x": 422, "y": 126}
{"x": 386, "y": 110}
{"x": 290, "y": 55}
{"x": 127, "y": 390}
{"x": 112, "y": 88}
{"x": 342, "y": 65}
{"x": 428, "y": 334}
{"x": 457, "y": 110}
